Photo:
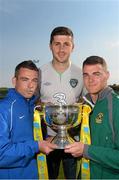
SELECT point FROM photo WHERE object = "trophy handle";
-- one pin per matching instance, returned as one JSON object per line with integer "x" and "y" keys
{"x": 79, "y": 119}
{"x": 43, "y": 115}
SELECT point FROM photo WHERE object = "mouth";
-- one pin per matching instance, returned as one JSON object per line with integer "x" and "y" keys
{"x": 61, "y": 55}
{"x": 30, "y": 92}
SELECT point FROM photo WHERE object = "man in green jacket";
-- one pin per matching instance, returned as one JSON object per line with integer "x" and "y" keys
{"x": 103, "y": 152}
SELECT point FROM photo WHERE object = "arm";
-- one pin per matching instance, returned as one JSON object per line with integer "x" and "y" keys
{"x": 14, "y": 154}
{"x": 106, "y": 157}
{"x": 20, "y": 153}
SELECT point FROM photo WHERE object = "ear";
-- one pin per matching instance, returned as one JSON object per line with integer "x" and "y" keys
{"x": 108, "y": 74}
{"x": 72, "y": 46}
{"x": 14, "y": 81}
{"x": 50, "y": 46}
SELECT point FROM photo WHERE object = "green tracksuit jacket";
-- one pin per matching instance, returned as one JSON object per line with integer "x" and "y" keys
{"x": 104, "y": 151}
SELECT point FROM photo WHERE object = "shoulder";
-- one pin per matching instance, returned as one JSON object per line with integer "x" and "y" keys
{"x": 5, "y": 104}
{"x": 76, "y": 72}
{"x": 115, "y": 97}
{"x": 75, "y": 68}
{"x": 9, "y": 100}
{"x": 46, "y": 67}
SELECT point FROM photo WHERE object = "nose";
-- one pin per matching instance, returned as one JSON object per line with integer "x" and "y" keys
{"x": 90, "y": 78}
{"x": 30, "y": 84}
{"x": 62, "y": 47}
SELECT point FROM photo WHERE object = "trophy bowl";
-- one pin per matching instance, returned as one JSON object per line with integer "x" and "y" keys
{"x": 60, "y": 119}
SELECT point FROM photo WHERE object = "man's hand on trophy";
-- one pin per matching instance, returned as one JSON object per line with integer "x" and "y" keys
{"x": 46, "y": 147}
{"x": 76, "y": 149}
{"x": 49, "y": 138}
{"x": 39, "y": 105}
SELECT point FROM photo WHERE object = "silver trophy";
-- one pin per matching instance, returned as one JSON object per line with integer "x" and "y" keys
{"x": 60, "y": 119}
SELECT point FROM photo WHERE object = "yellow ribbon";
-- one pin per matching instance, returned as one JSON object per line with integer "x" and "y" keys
{"x": 85, "y": 138}
{"x": 41, "y": 158}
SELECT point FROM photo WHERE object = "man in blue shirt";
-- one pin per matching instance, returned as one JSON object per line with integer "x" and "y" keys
{"x": 17, "y": 147}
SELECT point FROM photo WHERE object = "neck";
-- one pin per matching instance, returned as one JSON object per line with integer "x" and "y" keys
{"x": 94, "y": 97}
{"x": 60, "y": 67}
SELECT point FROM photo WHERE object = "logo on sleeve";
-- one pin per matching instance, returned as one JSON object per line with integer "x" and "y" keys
{"x": 73, "y": 82}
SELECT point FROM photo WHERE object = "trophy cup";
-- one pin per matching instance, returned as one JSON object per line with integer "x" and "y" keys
{"x": 62, "y": 118}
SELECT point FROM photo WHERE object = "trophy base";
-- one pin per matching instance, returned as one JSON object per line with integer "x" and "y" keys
{"x": 61, "y": 142}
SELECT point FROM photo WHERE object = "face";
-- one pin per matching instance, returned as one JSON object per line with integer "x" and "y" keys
{"x": 26, "y": 83}
{"x": 61, "y": 48}
{"x": 95, "y": 78}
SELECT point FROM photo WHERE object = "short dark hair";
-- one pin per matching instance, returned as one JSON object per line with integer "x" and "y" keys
{"x": 92, "y": 60}
{"x": 26, "y": 64}
{"x": 61, "y": 30}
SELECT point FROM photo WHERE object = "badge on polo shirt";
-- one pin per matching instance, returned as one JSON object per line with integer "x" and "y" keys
{"x": 73, "y": 82}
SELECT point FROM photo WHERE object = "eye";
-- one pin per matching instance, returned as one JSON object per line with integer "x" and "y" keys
{"x": 85, "y": 75}
{"x": 24, "y": 79}
{"x": 35, "y": 80}
{"x": 97, "y": 74}
{"x": 67, "y": 44}
{"x": 56, "y": 43}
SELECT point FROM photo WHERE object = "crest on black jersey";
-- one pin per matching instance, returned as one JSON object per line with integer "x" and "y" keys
{"x": 73, "y": 82}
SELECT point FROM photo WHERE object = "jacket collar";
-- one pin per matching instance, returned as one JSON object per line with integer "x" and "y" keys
{"x": 16, "y": 95}
{"x": 103, "y": 94}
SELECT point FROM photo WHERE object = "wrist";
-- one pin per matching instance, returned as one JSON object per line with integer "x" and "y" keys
{"x": 85, "y": 150}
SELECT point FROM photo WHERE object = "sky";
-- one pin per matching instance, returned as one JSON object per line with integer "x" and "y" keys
{"x": 25, "y": 27}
